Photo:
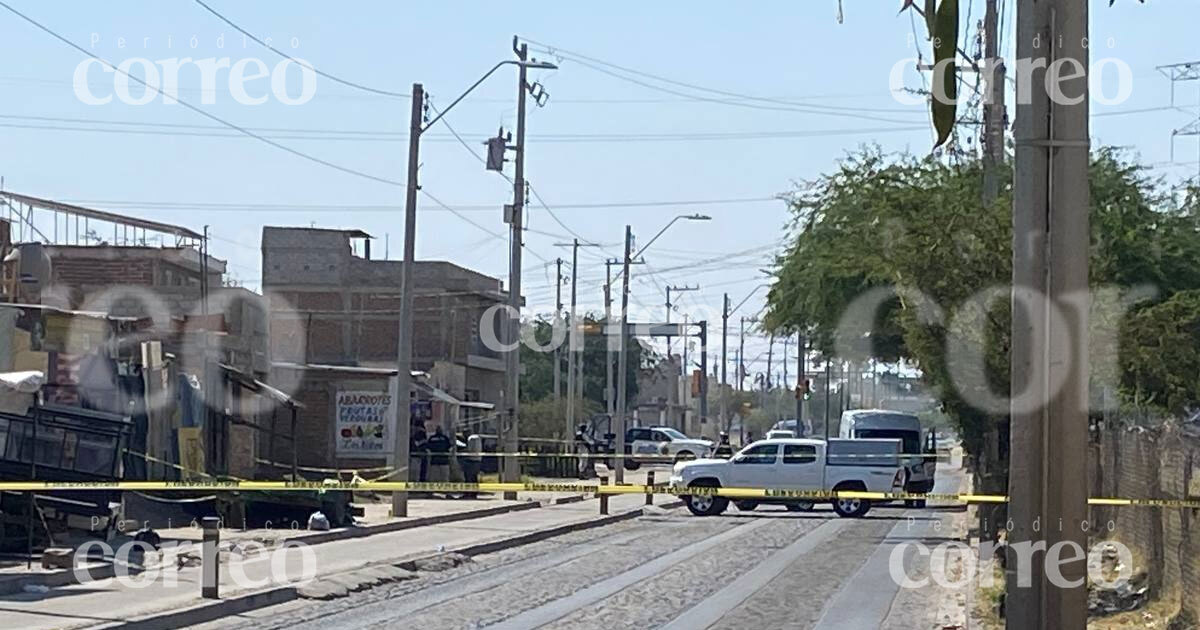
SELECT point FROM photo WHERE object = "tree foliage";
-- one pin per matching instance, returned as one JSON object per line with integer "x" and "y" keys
{"x": 537, "y": 381}
{"x": 897, "y": 221}
{"x": 1161, "y": 357}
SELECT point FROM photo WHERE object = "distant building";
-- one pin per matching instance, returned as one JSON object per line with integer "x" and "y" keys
{"x": 124, "y": 266}
{"x": 334, "y": 330}
{"x": 333, "y": 306}
{"x": 70, "y": 272}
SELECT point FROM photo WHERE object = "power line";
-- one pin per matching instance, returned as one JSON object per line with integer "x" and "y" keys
{"x": 242, "y": 129}
{"x": 471, "y": 99}
{"x": 331, "y": 77}
{"x": 93, "y": 125}
{"x": 222, "y": 121}
{"x": 343, "y": 208}
{"x": 824, "y": 110}
{"x": 574, "y": 56}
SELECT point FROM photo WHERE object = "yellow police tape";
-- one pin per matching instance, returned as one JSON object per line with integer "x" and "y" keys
{"x": 583, "y": 488}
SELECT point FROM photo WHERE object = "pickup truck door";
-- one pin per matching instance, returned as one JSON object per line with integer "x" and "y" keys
{"x": 756, "y": 467}
{"x": 802, "y": 467}
{"x": 640, "y": 442}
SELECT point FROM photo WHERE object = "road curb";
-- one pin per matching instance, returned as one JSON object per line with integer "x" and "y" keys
{"x": 211, "y": 611}
{"x": 425, "y": 521}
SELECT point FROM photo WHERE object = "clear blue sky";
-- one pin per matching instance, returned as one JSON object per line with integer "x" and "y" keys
{"x": 792, "y": 50}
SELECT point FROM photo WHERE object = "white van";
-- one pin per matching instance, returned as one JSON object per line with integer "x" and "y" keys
{"x": 884, "y": 423}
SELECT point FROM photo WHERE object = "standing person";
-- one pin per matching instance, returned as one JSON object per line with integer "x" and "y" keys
{"x": 583, "y": 450}
{"x": 438, "y": 446}
{"x": 472, "y": 461}
{"x": 723, "y": 450}
{"x": 416, "y": 454}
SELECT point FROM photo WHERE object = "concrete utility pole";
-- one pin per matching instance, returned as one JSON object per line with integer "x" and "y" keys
{"x": 1047, "y": 468}
{"x": 995, "y": 121}
{"x": 784, "y": 383}
{"x": 994, "y": 114}
{"x": 828, "y": 396}
{"x": 677, "y": 290}
{"x": 574, "y": 360}
{"x": 673, "y": 392}
{"x": 741, "y": 375}
{"x": 400, "y": 437}
{"x": 703, "y": 371}
{"x": 558, "y": 306}
{"x": 609, "y": 398}
{"x": 726, "y": 421}
{"x": 801, "y": 350}
{"x": 511, "y": 473}
{"x": 622, "y": 360}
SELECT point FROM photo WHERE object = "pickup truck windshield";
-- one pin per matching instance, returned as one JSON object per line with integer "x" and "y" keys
{"x": 673, "y": 434}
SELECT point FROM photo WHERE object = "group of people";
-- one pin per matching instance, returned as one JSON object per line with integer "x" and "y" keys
{"x": 430, "y": 455}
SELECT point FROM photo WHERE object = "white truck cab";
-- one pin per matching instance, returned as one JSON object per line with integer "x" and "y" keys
{"x": 919, "y": 450}
{"x": 796, "y": 464}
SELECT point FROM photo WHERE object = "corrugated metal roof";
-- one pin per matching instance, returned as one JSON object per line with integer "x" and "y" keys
{"x": 101, "y": 215}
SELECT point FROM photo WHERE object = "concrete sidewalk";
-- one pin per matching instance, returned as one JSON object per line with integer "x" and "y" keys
{"x": 268, "y": 576}
{"x": 14, "y": 576}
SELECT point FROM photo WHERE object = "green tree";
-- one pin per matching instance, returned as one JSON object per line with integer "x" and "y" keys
{"x": 537, "y": 381}
{"x": 1160, "y": 353}
{"x": 899, "y": 221}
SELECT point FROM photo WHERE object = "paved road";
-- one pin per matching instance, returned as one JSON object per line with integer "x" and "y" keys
{"x": 763, "y": 569}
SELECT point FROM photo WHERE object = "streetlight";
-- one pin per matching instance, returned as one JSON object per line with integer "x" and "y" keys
{"x": 400, "y": 451}
{"x": 622, "y": 364}
{"x": 726, "y": 313}
{"x": 689, "y": 217}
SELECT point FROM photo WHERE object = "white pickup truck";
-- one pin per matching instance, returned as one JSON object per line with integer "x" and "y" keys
{"x": 796, "y": 464}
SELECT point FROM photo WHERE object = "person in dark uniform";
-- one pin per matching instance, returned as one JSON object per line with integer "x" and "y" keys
{"x": 439, "y": 446}
{"x": 723, "y": 450}
{"x": 417, "y": 451}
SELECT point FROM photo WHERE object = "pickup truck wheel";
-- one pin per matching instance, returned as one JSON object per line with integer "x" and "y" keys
{"x": 851, "y": 508}
{"x": 684, "y": 456}
{"x": 746, "y": 506}
{"x": 631, "y": 463}
{"x": 801, "y": 506}
{"x": 706, "y": 504}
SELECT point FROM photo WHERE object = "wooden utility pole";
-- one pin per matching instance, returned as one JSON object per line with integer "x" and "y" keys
{"x": 1049, "y": 370}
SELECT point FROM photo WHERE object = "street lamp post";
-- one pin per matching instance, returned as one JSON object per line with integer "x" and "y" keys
{"x": 622, "y": 361}
{"x": 400, "y": 451}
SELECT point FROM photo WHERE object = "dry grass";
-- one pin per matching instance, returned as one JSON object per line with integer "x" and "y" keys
{"x": 985, "y": 611}
{"x": 1154, "y": 616}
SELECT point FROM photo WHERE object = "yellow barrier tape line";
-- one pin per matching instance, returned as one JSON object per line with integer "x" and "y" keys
{"x": 595, "y": 489}
{"x": 666, "y": 457}
{"x": 338, "y": 471}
